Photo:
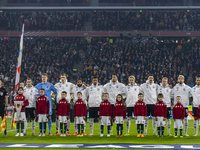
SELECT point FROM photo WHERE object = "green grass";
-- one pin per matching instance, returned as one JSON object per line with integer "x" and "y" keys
{"x": 96, "y": 139}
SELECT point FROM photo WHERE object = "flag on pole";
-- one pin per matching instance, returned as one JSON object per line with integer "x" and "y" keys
{"x": 19, "y": 59}
{"x": 3, "y": 124}
{"x": 13, "y": 121}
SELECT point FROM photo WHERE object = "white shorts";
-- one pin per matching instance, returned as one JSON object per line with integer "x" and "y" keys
{"x": 160, "y": 122}
{"x": 140, "y": 120}
{"x": 22, "y": 117}
{"x": 42, "y": 118}
{"x": 178, "y": 123}
{"x": 119, "y": 120}
{"x": 79, "y": 120}
{"x": 105, "y": 121}
{"x": 63, "y": 119}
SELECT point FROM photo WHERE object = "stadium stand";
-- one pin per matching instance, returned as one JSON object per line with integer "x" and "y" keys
{"x": 171, "y": 20}
{"x": 40, "y": 55}
{"x": 42, "y": 20}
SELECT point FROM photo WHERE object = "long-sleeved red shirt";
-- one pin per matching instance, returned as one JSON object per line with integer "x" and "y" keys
{"x": 178, "y": 111}
{"x": 140, "y": 109}
{"x": 21, "y": 97}
{"x": 160, "y": 109}
{"x": 42, "y": 105}
{"x": 63, "y": 108}
{"x": 118, "y": 110}
{"x": 105, "y": 108}
{"x": 80, "y": 108}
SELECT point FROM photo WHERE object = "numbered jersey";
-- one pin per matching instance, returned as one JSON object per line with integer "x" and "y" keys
{"x": 195, "y": 91}
{"x": 184, "y": 92}
{"x": 167, "y": 93}
{"x": 132, "y": 92}
{"x": 113, "y": 89}
{"x": 95, "y": 95}
{"x": 30, "y": 94}
{"x": 150, "y": 92}
{"x": 67, "y": 86}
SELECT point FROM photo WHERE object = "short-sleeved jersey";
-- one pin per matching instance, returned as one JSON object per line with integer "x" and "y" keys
{"x": 3, "y": 93}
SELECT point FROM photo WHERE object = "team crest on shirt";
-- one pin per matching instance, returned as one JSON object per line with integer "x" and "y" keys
{"x": 142, "y": 103}
{"x": 98, "y": 89}
{"x": 66, "y": 85}
{"x": 177, "y": 88}
{"x": 183, "y": 89}
{"x": 47, "y": 87}
{"x": 167, "y": 90}
{"x": 138, "y": 121}
{"x": 117, "y": 86}
{"x": 137, "y": 103}
{"x": 153, "y": 87}
{"x": 135, "y": 89}
{"x": 128, "y": 88}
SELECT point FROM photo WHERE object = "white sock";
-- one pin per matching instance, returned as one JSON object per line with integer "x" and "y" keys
{"x": 33, "y": 125}
{"x": 57, "y": 125}
{"x": 146, "y": 125}
{"x": 68, "y": 125}
{"x": 75, "y": 126}
{"x": 91, "y": 123}
{"x": 154, "y": 124}
{"x": 111, "y": 127}
{"x": 185, "y": 124}
{"x": 128, "y": 124}
{"x": 196, "y": 126}
{"x": 168, "y": 125}
{"x": 25, "y": 126}
{"x": 84, "y": 126}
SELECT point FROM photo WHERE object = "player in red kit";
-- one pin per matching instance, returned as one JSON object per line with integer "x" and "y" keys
{"x": 178, "y": 114}
{"x": 119, "y": 113}
{"x": 105, "y": 114}
{"x": 140, "y": 113}
{"x": 160, "y": 112}
{"x": 80, "y": 112}
{"x": 20, "y": 118}
{"x": 42, "y": 110}
{"x": 63, "y": 109}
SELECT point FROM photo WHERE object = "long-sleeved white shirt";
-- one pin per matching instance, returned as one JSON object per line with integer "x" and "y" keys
{"x": 30, "y": 94}
{"x": 150, "y": 92}
{"x": 167, "y": 93}
{"x": 195, "y": 93}
{"x": 131, "y": 92}
{"x": 77, "y": 89}
{"x": 113, "y": 89}
{"x": 95, "y": 95}
{"x": 184, "y": 91}
{"x": 67, "y": 87}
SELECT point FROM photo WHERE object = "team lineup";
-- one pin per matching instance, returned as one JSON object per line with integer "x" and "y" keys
{"x": 107, "y": 104}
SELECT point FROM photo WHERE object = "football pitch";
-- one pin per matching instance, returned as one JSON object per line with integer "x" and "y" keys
{"x": 96, "y": 141}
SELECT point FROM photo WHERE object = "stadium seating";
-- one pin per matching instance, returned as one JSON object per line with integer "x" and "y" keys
{"x": 163, "y": 59}
{"x": 42, "y": 20}
{"x": 101, "y": 20}
{"x": 40, "y": 55}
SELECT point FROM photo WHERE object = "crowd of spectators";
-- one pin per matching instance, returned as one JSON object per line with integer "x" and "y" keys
{"x": 40, "y": 55}
{"x": 71, "y": 20}
{"x": 164, "y": 59}
{"x": 142, "y": 2}
{"x": 48, "y": 2}
{"x": 100, "y": 57}
{"x": 146, "y": 20}
{"x": 102, "y": 20}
